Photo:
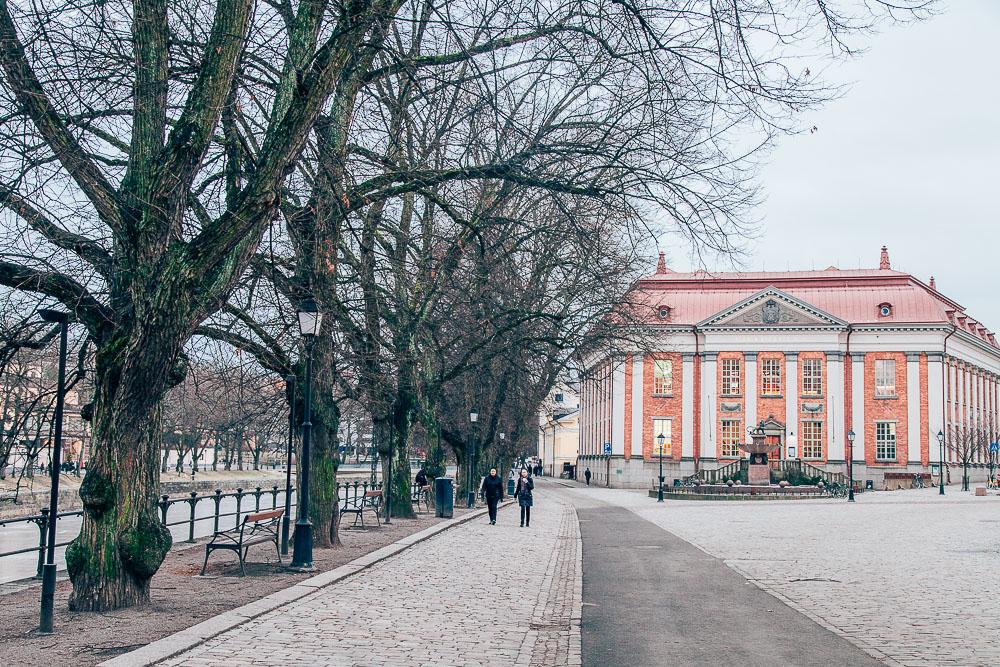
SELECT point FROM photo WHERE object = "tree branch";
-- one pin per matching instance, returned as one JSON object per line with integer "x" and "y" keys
{"x": 31, "y": 96}
{"x": 84, "y": 247}
{"x": 72, "y": 294}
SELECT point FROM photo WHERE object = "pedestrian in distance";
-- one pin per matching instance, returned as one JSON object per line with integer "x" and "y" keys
{"x": 525, "y": 485}
{"x": 421, "y": 479}
{"x": 492, "y": 492}
{"x": 586, "y": 476}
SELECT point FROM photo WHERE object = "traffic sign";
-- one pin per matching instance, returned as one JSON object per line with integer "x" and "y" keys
{"x": 994, "y": 447}
{"x": 607, "y": 449}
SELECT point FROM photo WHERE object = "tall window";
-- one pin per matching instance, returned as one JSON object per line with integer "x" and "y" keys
{"x": 770, "y": 377}
{"x": 885, "y": 441}
{"x": 663, "y": 376}
{"x": 730, "y": 442}
{"x": 812, "y": 377}
{"x": 811, "y": 439}
{"x": 662, "y": 425}
{"x": 885, "y": 377}
{"x": 730, "y": 377}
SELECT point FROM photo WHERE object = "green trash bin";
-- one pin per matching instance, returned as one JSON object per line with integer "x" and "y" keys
{"x": 444, "y": 497}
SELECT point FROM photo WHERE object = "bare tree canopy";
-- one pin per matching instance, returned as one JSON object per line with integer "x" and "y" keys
{"x": 148, "y": 148}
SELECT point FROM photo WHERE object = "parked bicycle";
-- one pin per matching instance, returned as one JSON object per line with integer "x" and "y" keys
{"x": 692, "y": 480}
{"x": 918, "y": 482}
{"x": 837, "y": 490}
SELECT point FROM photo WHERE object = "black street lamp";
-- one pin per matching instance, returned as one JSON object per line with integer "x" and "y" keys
{"x": 286, "y": 518}
{"x": 310, "y": 320}
{"x": 940, "y": 437}
{"x": 850, "y": 466}
{"x": 659, "y": 441}
{"x": 49, "y": 569}
{"x": 473, "y": 418}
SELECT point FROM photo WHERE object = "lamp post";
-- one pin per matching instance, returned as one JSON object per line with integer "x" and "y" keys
{"x": 310, "y": 320}
{"x": 286, "y": 519}
{"x": 49, "y": 569}
{"x": 659, "y": 442}
{"x": 850, "y": 466}
{"x": 940, "y": 437}
{"x": 473, "y": 418}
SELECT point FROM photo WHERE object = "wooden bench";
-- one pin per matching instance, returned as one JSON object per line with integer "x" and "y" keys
{"x": 371, "y": 501}
{"x": 421, "y": 494}
{"x": 258, "y": 528}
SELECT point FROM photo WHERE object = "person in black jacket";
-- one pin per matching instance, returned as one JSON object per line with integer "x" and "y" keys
{"x": 421, "y": 478}
{"x": 492, "y": 493}
{"x": 525, "y": 485}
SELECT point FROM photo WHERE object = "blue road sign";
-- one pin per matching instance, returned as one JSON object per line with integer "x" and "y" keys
{"x": 607, "y": 449}
{"x": 994, "y": 447}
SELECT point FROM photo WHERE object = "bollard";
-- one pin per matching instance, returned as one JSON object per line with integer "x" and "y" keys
{"x": 274, "y": 497}
{"x": 256, "y": 496}
{"x": 164, "y": 506}
{"x": 193, "y": 501}
{"x": 218, "y": 501}
{"x": 239, "y": 500}
{"x": 43, "y": 526}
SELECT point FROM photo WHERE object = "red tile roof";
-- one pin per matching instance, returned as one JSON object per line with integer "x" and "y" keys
{"x": 853, "y": 295}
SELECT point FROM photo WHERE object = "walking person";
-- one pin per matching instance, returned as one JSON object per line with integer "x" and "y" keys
{"x": 586, "y": 476}
{"x": 492, "y": 492}
{"x": 525, "y": 485}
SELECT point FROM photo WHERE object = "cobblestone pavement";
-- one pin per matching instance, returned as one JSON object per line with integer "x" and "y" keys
{"x": 474, "y": 595}
{"x": 909, "y": 576}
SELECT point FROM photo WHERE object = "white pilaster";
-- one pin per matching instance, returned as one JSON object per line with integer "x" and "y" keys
{"x": 791, "y": 390}
{"x": 858, "y": 405}
{"x": 935, "y": 405}
{"x": 708, "y": 393}
{"x": 913, "y": 432}
{"x": 637, "y": 399}
{"x": 687, "y": 406}
{"x": 835, "y": 407}
{"x": 750, "y": 389}
{"x": 618, "y": 408}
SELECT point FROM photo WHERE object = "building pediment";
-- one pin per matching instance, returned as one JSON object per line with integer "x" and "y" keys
{"x": 772, "y": 308}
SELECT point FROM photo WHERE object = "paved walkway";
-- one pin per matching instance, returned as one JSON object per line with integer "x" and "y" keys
{"x": 650, "y": 598}
{"x": 474, "y": 595}
{"x": 909, "y": 576}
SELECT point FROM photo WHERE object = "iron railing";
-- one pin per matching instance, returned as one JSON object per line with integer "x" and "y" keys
{"x": 257, "y": 500}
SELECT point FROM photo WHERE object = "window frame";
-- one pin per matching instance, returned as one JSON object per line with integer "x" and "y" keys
{"x": 884, "y": 445}
{"x": 804, "y": 443}
{"x": 883, "y": 390}
{"x": 726, "y": 375}
{"x": 767, "y": 378}
{"x": 668, "y": 389}
{"x": 734, "y": 451}
{"x": 668, "y": 441}
{"x": 807, "y": 390}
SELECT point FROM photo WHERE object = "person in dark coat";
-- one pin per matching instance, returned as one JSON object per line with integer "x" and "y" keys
{"x": 492, "y": 493}
{"x": 586, "y": 476}
{"x": 522, "y": 492}
{"x": 421, "y": 478}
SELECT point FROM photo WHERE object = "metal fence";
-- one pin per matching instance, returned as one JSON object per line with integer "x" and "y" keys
{"x": 247, "y": 502}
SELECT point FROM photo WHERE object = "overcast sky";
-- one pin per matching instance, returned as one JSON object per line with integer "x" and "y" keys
{"x": 908, "y": 157}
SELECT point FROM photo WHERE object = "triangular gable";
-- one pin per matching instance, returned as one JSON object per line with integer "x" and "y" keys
{"x": 772, "y": 308}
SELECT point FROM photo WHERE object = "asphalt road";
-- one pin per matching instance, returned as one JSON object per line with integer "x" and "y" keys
{"x": 650, "y": 598}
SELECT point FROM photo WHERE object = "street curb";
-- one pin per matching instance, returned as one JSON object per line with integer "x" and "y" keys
{"x": 188, "y": 638}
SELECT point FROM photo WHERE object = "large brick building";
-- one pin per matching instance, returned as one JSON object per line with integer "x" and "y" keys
{"x": 825, "y": 352}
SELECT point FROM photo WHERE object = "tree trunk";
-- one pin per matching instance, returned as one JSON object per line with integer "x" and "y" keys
{"x": 122, "y": 542}
{"x": 402, "y": 505}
